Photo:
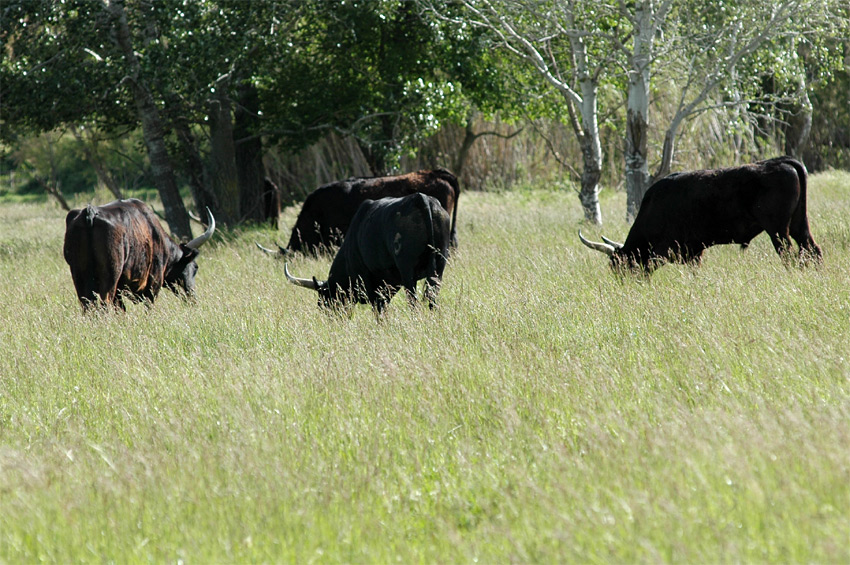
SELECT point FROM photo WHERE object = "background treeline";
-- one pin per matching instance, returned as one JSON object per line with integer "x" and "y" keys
{"x": 201, "y": 101}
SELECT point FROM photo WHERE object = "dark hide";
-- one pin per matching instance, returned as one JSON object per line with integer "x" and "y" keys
{"x": 121, "y": 247}
{"x": 685, "y": 213}
{"x": 328, "y": 210}
{"x": 391, "y": 244}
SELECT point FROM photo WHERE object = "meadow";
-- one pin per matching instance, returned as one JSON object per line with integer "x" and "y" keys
{"x": 547, "y": 411}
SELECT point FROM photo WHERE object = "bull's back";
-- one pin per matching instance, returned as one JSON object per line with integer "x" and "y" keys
{"x": 438, "y": 183}
{"x": 703, "y": 208}
{"x": 326, "y": 212}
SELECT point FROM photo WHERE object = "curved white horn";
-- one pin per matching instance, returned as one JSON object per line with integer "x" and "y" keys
{"x": 202, "y": 239}
{"x": 603, "y": 247}
{"x": 612, "y": 243}
{"x": 280, "y": 249}
{"x": 306, "y": 283}
{"x": 266, "y": 249}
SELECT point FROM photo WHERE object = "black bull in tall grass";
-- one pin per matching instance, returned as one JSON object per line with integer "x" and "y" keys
{"x": 391, "y": 244}
{"x": 683, "y": 214}
{"x": 327, "y": 212}
{"x": 121, "y": 247}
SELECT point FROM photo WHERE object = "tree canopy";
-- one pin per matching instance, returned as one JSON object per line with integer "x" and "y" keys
{"x": 226, "y": 80}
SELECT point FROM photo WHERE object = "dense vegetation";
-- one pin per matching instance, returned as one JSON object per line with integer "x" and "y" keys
{"x": 546, "y": 412}
{"x": 201, "y": 100}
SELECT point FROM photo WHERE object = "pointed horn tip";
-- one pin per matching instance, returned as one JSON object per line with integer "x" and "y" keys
{"x": 266, "y": 249}
{"x": 280, "y": 249}
{"x": 306, "y": 283}
{"x": 204, "y": 237}
{"x": 611, "y": 242}
{"x": 603, "y": 247}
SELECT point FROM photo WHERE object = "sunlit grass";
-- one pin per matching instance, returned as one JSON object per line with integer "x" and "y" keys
{"x": 547, "y": 411}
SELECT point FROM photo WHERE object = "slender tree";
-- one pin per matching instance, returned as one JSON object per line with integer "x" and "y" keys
{"x": 154, "y": 134}
{"x": 558, "y": 41}
{"x": 646, "y": 18}
{"x": 708, "y": 48}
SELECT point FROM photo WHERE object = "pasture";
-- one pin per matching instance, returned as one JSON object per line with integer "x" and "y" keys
{"x": 547, "y": 411}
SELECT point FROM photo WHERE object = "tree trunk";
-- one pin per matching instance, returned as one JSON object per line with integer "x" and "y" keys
{"x": 152, "y": 129}
{"x": 637, "y": 111}
{"x": 587, "y": 132}
{"x": 190, "y": 156}
{"x": 379, "y": 153}
{"x": 591, "y": 172}
{"x": 799, "y": 127}
{"x": 53, "y": 191}
{"x": 249, "y": 156}
{"x": 375, "y": 158}
{"x": 201, "y": 194}
{"x": 469, "y": 138}
{"x": 668, "y": 149}
{"x": 224, "y": 179}
{"x": 591, "y": 152}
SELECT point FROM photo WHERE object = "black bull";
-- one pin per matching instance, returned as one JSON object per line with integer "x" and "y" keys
{"x": 121, "y": 247}
{"x": 683, "y": 214}
{"x": 391, "y": 244}
{"x": 327, "y": 211}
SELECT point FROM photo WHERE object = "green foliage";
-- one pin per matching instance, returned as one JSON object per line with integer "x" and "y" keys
{"x": 829, "y": 141}
{"x": 546, "y": 412}
{"x": 381, "y": 72}
{"x": 58, "y": 67}
{"x": 389, "y": 73}
{"x": 58, "y": 158}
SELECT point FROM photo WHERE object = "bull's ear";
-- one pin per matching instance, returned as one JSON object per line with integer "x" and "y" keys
{"x": 188, "y": 253}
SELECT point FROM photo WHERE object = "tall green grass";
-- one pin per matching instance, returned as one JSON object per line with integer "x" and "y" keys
{"x": 547, "y": 411}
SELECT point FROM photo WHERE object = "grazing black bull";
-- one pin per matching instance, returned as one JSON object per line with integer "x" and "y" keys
{"x": 683, "y": 214}
{"x": 121, "y": 247}
{"x": 391, "y": 244}
{"x": 327, "y": 212}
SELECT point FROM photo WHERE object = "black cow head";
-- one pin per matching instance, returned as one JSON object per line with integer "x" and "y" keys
{"x": 621, "y": 260}
{"x": 181, "y": 274}
{"x": 327, "y": 295}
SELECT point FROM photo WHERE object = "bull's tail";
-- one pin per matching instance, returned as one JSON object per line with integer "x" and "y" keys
{"x": 90, "y": 215}
{"x": 450, "y": 178}
{"x": 799, "y": 228}
{"x": 432, "y": 240}
{"x": 433, "y": 273}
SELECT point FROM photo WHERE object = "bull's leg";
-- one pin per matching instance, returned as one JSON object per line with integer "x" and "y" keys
{"x": 378, "y": 295}
{"x": 85, "y": 285}
{"x": 380, "y": 300}
{"x": 146, "y": 296}
{"x": 111, "y": 293}
{"x": 782, "y": 244}
{"x": 432, "y": 289}
{"x": 809, "y": 250}
{"x": 410, "y": 290}
{"x": 434, "y": 281}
